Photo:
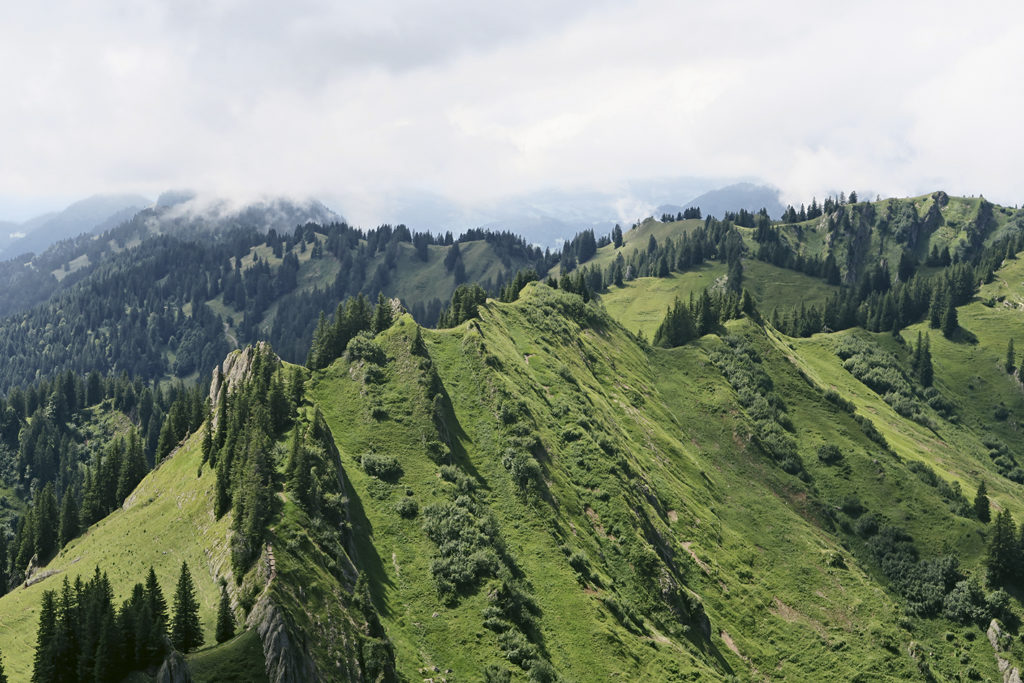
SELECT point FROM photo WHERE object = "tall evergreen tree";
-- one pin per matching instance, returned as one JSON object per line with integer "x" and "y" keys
{"x": 46, "y": 518}
{"x": 43, "y": 662}
{"x": 133, "y": 468}
{"x": 68, "y": 519}
{"x": 381, "y": 314}
{"x": 677, "y": 328}
{"x": 3, "y": 674}
{"x": 1003, "y": 554}
{"x": 925, "y": 370}
{"x": 155, "y": 599}
{"x": 186, "y": 633}
{"x": 225, "y": 619}
{"x": 982, "y": 510}
{"x": 950, "y": 322}
{"x": 1010, "y": 358}
{"x": 3, "y": 564}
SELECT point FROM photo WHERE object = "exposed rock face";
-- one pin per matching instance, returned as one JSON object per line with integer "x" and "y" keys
{"x": 287, "y": 660}
{"x": 995, "y": 637}
{"x": 232, "y": 372}
{"x": 174, "y": 669}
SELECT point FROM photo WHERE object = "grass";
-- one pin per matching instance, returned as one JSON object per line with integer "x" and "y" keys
{"x": 637, "y": 238}
{"x": 757, "y": 545}
{"x": 655, "y": 506}
{"x": 166, "y": 520}
{"x": 239, "y": 660}
{"x": 641, "y": 304}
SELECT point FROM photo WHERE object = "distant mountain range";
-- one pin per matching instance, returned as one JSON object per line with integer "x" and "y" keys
{"x": 545, "y": 218}
{"x": 92, "y": 215}
{"x": 550, "y": 216}
{"x": 732, "y": 198}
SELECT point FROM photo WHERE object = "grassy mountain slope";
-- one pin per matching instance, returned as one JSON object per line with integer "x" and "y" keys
{"x": 640, "y": 304}
{"x": 538, "y": 490}
{"x": 166, "y": 520}
{"x": 651, "y": 474}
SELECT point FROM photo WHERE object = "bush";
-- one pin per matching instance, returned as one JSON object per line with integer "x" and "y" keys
{"x": 829, "y": 454}
{"x": 578, "y": 561}
{"x": 438, "y": 452}
{"x": 361, "y": 347}
{"x": 384, "y": 467}
{"x": 465, "y": 546}
{"x": 407, "y": 508}
{"x": 852, "y": 506}
{"x": 524, "y": 469}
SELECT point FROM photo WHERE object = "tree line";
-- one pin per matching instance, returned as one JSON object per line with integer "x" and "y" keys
{"x": 82, "y": 636}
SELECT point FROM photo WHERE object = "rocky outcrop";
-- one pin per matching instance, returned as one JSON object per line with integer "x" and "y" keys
{"x": 996, "y": 637}
{"x": 287, "y": 661}
{"x": 174, "y": 669}
{"x": 233, "y": 372}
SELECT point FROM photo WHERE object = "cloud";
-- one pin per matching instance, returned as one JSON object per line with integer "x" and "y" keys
{"x": 476, "y": 101}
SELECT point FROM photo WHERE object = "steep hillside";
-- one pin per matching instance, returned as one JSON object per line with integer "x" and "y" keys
{"x": 536, "y": 491}
{"x": 579, "y": 455}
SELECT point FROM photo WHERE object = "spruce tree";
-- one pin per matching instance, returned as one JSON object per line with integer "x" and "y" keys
{"x": 677, "y": 328}
{"x": 381, "y": 314}
{"x": 3, "y": 564}
{"x": 1003, "y": 553}
{"x": 68, "y": 519}
{"x": 1010, "y": 358}
{"x": 46, "y": 523}
{"x": 133, "y": 468}
{"x": 982, "y": 510}
{"x": 3, "y": 674}
{"x": 950, "y": 322}
{"x": 155, "y": 599}
{"x": 225, "y": 619}
{"x": 186, "y": 633}
{"x": 925, "y": 371}
{"x": 43, "y": 662}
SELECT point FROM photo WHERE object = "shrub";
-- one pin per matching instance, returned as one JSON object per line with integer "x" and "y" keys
{"x": 578, "y": 561}
{"x": 852, "y": 506}
{"x": 465, "y": 546}
{"x": 384, "y": 467}
{"x": 438, "y": 452}
{"x": 361, "y": 347}
{"x": 829, "y": 454}
{"x": 407, "y": 508}
{"x": 524, "y": 469}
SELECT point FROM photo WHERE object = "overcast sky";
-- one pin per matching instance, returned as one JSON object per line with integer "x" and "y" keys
{"x": 474, "y": 100}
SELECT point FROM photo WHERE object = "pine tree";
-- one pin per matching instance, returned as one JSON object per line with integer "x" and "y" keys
{"x": 3, "y": 675}
{"x": 1010, "y": 358}
{"x": 925, "y": 371}
{"x": 68, "y": 519}
{"x": 155, "y": 599}
{"x": 381, "y": 314}
{"x": 3, "y": 564}
{"x": 225, "y": 619}
{"x": 982, "y": 510}
{"x": 46, "y": 518}
{"x": 677, "y": 328}
{"x": 208, "y": 454}
{"x": 1003, "y": 555}
{"x": 133, "y": 468}
{"x": 43, "y": 663}
{"x": 186, "y": 633}
{"x": 950, "y": 322}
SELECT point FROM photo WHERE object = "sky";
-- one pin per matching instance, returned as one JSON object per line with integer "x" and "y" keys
{"x": 360, "y": 103}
